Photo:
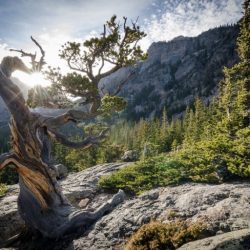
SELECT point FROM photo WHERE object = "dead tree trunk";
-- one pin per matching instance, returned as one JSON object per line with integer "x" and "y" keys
{"x": 41, "y": 202}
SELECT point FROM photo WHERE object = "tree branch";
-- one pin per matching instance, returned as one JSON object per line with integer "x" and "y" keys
{"x": 101, "y": 67}
{"x": 6, "y": 159}
{"x": 71, "y": 115}
{"x": 88, "y": 141}
{"x": 36, "y": 65}
{"x": 41, "y": 61}
{"x": 110, "y": 61}
{"x": 114, "y": 69}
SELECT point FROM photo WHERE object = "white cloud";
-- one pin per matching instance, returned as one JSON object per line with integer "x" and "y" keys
{"x": 190, "y": 18}
{"x": 3, "y": 50}
{"x": 53, "y": 23}
{"x": 67, "y": 22}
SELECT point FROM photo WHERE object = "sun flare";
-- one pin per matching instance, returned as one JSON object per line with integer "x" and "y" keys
{"x": 33, "y": 79}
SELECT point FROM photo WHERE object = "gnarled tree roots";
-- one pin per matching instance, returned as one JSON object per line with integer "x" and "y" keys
{"x": 63, "y": 219}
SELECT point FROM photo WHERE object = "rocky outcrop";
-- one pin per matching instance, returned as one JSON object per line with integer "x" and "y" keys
{"x": 10, "y": 221}
{"x": 225, "y": 207}
{"x": 61, "y": 171}
{"x": 76, "y": 187}
{"x": 130, "y": 155}
{"x": 236, "y": 240}
{"x": 176, "y": 72}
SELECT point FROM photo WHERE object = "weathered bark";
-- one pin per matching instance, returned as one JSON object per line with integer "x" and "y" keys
{"x": 41, "y": 202}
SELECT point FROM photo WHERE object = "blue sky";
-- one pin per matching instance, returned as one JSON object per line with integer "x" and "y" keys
{"x": 53, "y": 22}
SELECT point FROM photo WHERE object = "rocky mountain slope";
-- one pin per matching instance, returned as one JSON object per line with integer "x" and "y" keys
{"x": 224, "y": 207}
{"x": 173, "y": 75}
{"x": 176, "y": 72}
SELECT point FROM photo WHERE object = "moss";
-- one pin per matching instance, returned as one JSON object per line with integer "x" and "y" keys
{"x": 166, "y": 236}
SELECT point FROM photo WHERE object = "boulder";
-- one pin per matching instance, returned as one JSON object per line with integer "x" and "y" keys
{"x": 83, "y": 203}
{"x": 61, "y": 171}
{"x": 130, "y": 155}
{"x": 224, "y": 207}
{"x": 236, "y": 240}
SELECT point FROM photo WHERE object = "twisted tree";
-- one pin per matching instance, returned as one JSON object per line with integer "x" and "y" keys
{"x": 41, "y": 202}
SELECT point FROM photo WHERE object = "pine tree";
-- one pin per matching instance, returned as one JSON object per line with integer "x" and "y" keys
{"x": 235, "y": 88}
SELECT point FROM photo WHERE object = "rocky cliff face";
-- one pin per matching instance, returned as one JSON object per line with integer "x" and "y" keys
{"x": 225, "y": 207}
{"x": 176, "y": 72}
{"x": 173, "y": 75}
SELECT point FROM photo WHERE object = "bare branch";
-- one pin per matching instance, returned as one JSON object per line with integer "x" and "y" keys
{"x": 114, "y": 69}
{"x": 36, "y": 65}
{"x": 124, "y": 23}
{"x": 25, "y": 54}
{"x": 41, "y": 61}
{"x": 104, "y": 31}
{"x": 6, "y": 159}
{"x": 110, "y": 61}
{"x": 135, "y": 22}
{"x": 101, "y": 67}
{"x": 73, "y": 67}
{"x": 71, "y": 115}
{"x": 125, "y": 32}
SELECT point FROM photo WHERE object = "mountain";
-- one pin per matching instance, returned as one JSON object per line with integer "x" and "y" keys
{"x": 176, "y": 72}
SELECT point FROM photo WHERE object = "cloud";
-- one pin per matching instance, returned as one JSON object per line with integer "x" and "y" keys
{"x": 3, "y": 50}
{"x": 53, "y": 23}
{"x": 190, "y": 18}
{"x": 22, "y": 18}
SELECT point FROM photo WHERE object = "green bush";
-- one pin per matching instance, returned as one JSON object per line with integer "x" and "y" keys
{"x": 3, "y": 189}
{"x": 217, "y": 159}
{"x": 211, "y": 161}
{"x": 145, "y": 175}
{"x": 167, "y": 236}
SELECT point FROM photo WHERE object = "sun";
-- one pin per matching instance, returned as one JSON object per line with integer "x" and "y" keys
{"x": 32, "y": 80}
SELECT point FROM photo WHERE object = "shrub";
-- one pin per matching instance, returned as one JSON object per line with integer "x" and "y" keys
{"x": 145, "y": 175}
{"x": 217, "y": 159}
{"x": 3, "y": 189}
{"x": 166, "y": 236}
{"x": 211, "y": 161}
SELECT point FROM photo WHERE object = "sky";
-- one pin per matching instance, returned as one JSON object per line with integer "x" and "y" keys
{"x": 53, "y": 22}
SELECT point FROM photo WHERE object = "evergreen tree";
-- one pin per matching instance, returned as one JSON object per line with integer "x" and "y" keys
{"x": 235, "y": 88}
